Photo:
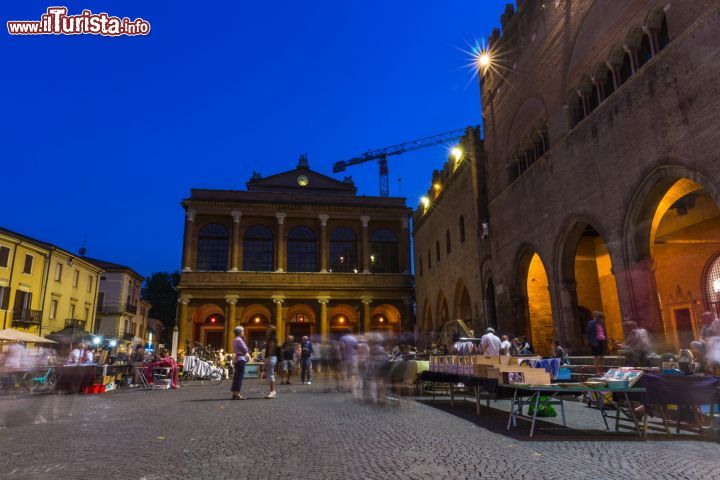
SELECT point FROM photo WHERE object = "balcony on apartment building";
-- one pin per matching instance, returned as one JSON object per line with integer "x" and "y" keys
{"x": 75, "y": 322}
{"x": 26, "y": 316}
{"x": 130, "y": 308}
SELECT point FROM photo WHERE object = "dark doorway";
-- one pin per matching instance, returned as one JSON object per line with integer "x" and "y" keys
{"x": 297, "y": 330}
{"x": 216, "y": 338}
{"x": 683, "y": 327}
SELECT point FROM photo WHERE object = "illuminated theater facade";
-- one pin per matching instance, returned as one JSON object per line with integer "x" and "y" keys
{"x": 298, "y": 250}
{"x": 601, "y": 136}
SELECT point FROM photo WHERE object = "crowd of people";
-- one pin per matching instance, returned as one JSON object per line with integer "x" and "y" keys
{"x": 359, "y": 364}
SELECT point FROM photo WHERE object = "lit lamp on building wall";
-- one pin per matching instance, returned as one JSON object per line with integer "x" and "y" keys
{"x": 257, "y": 319}
{"x": 425, "y": 201}
{"x": 457, "y": 154}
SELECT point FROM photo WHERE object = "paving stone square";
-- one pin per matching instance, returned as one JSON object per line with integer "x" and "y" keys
{"x": 199, "y": 433}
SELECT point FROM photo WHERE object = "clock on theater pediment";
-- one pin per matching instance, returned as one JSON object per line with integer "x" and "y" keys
{"x": 303, "y": 180}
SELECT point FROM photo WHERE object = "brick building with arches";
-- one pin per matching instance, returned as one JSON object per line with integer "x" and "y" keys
{"x": 603, "y": 172}
{"x": 298, "y": 250}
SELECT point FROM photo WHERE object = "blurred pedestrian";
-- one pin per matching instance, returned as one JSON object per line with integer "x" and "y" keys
{"x": 596, "y": 338}
{"x": 288, "y": 360}
{"x": 557, "y": 351}
{"x": 242, "y": 356}
{"x": 490, "y": 343}
{"x": 272, "y": 353}
{"x": 637, "y": 345}
{"x": 349, "y": 361}
{"x": 306, "y": 351}
{"x": 505, "y": 345}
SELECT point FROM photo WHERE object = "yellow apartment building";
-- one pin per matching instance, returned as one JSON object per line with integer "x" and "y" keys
{"x": 44, "y": 288}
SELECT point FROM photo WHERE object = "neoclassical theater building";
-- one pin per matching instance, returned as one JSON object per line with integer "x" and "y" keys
{"x": 298, "y": 250}
{"x": 602, "y": 137}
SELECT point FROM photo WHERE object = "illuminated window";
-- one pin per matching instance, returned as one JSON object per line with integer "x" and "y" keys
{"x": 343, "y": 250}
{"x": 383, "y": 252}
{"x": 301, "y": 249}
{"x": 258, "y": 249}
{"x": 212, "y": 250}
{"x": 712, "y": 285}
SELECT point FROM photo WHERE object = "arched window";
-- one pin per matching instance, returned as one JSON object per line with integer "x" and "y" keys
{"x": 608, "y": 85}
{"x": 437, "y": 250}
{"x": 644, "y": 52}
{"x": 343, "y": 250}
{"x": 712, "y": 285}
{"x": 448, "y": 246}
{"x": 384, "y": 252}
{"x": 462, "y": 229}
{"x": 594, "y": 99}
{"x": 625, "y": 68}
{"x": 301, "y": 250}
{"x": 258, "y": 249}
{"x": 663, "y": 37}
{"x": 212, "y": 250}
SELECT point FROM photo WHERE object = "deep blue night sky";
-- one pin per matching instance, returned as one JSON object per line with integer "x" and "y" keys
{"x": 104, "y": 136}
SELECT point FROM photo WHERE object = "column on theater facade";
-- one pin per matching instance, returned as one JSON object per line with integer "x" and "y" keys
{"x": 281, "y": 242}
{"x": 189, "y": 232}
{"x": 236, "y": 241}
{"x": 366, "y": 313}
{"x": 230, "y": 322}
{"x": 323, "y": 243}
{"x": 279, "y": 323}
{"x": 365, "y": 244}
{"x": 324, "y": 325}
{"x": 404, "y": 246}
{"x": 183, "y": 323}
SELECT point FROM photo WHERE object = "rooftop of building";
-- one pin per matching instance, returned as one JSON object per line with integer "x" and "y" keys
{"x": 112, "y": 267}
{"x": 44, "y": 245}
{"x": 298, "y": 186}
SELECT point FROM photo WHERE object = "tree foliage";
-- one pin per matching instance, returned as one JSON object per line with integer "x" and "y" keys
{"x": 160, "y": 290}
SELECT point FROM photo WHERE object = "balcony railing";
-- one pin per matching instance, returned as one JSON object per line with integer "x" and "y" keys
{"x": 75, "y": 322}
{"x": 131, "y": 308}
{"x": 27, "y": 316}
{"x": 128, "y": 336}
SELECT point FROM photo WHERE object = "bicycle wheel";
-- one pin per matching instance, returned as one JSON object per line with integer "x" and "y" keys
{"x": 30, "y": 381}
{"x": 216, "y": 378}
{"x": 186, "y": 379}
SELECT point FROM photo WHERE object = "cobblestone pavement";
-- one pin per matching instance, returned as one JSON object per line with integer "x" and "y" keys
{"x": 198, "y": 433}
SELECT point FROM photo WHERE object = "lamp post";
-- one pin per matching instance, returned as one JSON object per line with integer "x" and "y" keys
{"x": 174, "y": 342}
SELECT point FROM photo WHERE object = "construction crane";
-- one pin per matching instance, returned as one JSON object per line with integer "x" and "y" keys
{"x": 382, "y": 154}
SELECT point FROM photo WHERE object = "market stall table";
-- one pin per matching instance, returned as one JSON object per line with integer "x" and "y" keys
{"x": 530, "y": 395}
{"x": 479, "y": 385}
{"x": 73, "y": 378}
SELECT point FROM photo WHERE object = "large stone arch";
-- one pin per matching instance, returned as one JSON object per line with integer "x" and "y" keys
{"x": 253, "y": 310}
{"x": 584, "y": 261}
{"x": 202, "y": 312}
{"x": 462, "y": 303}
{"x": 644, "y": 204}
{"x": 651, "y": 200}
{"x": 533, "y": 305}
{"x": 442, "y": 312}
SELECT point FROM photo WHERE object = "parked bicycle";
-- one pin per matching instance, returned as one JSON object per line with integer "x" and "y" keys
{"x": 40, "y": 379}
{"x": 202, "y": 372}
